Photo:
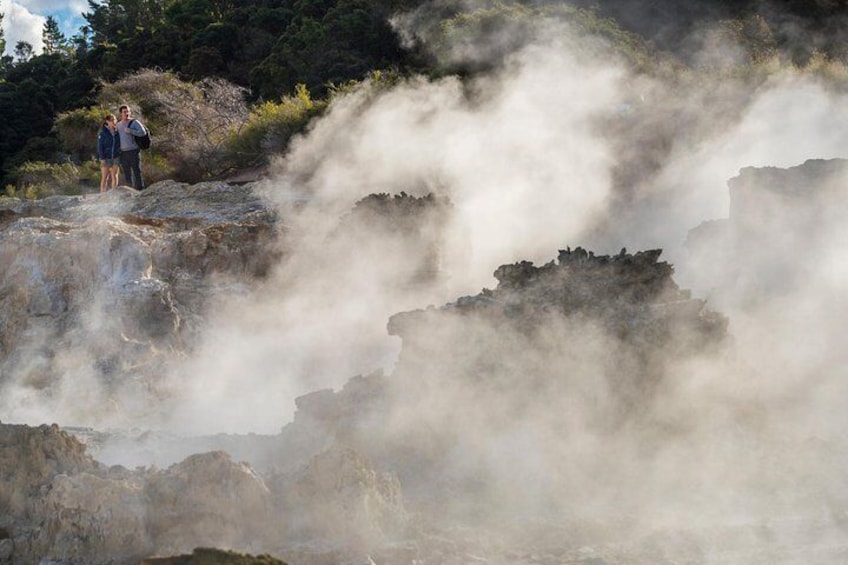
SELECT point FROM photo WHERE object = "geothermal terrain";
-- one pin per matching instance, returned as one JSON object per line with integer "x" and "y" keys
{"x": 583, "y": 410}
{"x": 560, "y": 313}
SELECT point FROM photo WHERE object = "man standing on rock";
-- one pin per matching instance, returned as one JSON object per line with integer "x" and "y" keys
{"x": 128, "y": 130}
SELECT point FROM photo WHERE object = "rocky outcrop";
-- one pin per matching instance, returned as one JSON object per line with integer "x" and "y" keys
{"x": 121, "y": 279}
{"x": 782, "y": 224}
{"x": 30, "y": 458}
{"x": 344, "y": 501}
{"x": 622, "y": 314}
{"x": 89, "y": 517}
{"x": 208, "y": 500}
{"x": 405, "y": 235}
{"x": 56, "y": 501}
{"x": 60, "y": 505}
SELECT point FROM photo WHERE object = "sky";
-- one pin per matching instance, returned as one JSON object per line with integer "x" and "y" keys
{"x": 24, "y": 19}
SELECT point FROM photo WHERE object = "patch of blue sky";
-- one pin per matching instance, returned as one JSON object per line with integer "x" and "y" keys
{"x": 23, "y": 20}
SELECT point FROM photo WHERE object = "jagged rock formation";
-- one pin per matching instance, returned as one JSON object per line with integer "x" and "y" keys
{"x": 632, "y": 296}
{"x": 59, "y": 504}
{"x": 782, "y": 223}
{"x": 122, "y": 279}
{"x": 343, "y": 480}
{"x": 620, "y": 318}
{"x": 405, "y": 232}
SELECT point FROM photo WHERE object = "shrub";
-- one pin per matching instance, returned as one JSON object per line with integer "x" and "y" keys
{"x": 832, "y": 72}
{"x": 270, "y": 126}
{"x": 78, "y": 131}
{"x": 155, "y": 167}
{"x": 37, "y": 179}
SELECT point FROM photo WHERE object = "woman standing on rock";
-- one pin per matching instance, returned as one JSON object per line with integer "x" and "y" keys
{"x": 109, "y": 153}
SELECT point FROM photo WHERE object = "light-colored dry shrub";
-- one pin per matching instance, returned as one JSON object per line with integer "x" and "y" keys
{"x": 189, "y": 121}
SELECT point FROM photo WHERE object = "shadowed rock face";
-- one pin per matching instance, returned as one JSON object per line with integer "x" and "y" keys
{"x": 622, "y": 316}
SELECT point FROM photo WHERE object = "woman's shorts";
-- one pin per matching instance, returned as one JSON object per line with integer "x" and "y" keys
{"x": 111, "y": 162}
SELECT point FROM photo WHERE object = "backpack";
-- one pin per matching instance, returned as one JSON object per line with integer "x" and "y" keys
{"x": 143, "y": 141}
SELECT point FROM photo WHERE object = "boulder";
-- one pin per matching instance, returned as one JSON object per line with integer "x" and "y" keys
{"x": 207, "y": 500}
{"x": 341, "y": 499}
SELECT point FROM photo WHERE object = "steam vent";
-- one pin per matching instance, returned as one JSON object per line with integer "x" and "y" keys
{"x": 561, "y": 417}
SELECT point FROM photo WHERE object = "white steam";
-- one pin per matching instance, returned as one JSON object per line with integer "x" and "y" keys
{"x": 529, "y": 157}
{"x": 521, "y": 155}
{"x": 522, "y": 164}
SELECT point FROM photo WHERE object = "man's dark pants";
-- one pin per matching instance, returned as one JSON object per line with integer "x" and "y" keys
{"x": 131, "y": 168}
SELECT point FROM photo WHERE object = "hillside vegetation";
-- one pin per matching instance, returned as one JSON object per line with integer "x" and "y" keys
{"x": 233, "y": 82}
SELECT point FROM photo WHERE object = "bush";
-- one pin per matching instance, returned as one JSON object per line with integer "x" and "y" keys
{"x": 37, "y": 179}
{"x": 154, "y": 167}
{"x": 832, "y": 72}
{"x": 270, "y": 126}
{"x": 78, "y": 131}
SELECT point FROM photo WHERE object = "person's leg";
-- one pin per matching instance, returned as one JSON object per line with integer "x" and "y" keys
{"x": 114, "y": 174}
{"x": 126, "y": 169}
{"x": 104, "y": 176}
{"x": 135, "y": 168}
{"x": 137, "y": 171}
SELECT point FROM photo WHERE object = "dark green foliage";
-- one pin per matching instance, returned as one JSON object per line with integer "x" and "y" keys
{"x": 802, "y": 27}
{"x": 328, "y": 41}
{"x": 209, "y": 556}
{"x": 33, "y": 94}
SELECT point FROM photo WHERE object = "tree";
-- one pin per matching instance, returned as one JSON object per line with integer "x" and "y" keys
{"x": 54, "y": 40}
{"x": 2, "y": 35}
{"x": 113, "y": 21}
{"x": 328, "y": 41}
{"x": 23, "y": 51}
{"x": 5, "y": 60}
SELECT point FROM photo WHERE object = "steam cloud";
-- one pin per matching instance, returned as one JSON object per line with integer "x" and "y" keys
{"x": 525, "y": 154}
{"x": 529, "y": 155}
